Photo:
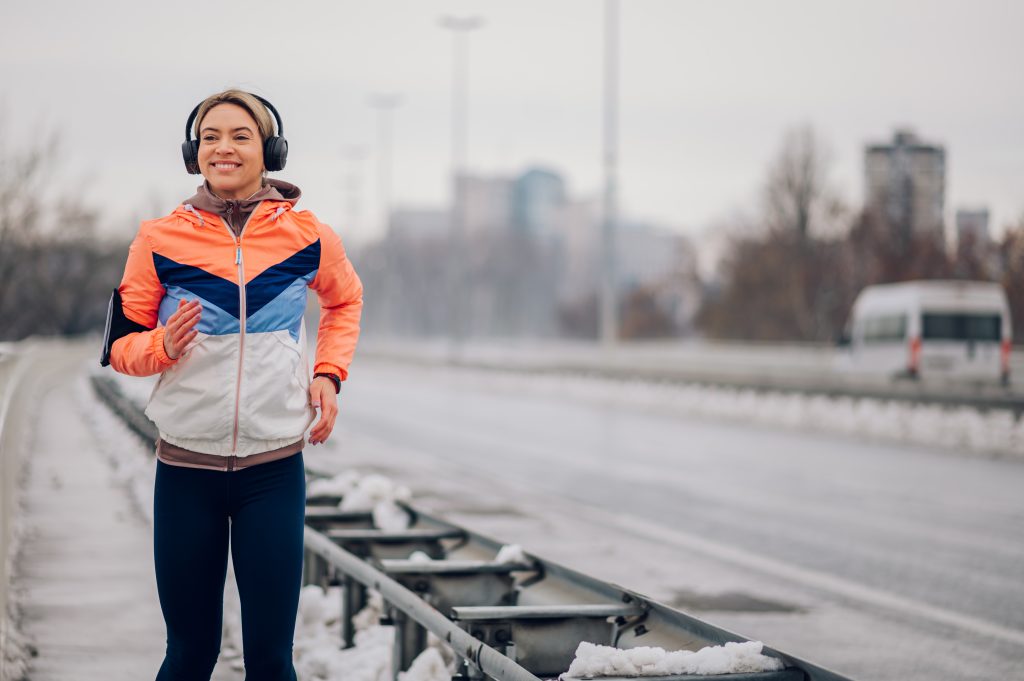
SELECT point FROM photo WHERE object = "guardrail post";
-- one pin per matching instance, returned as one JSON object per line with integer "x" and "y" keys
{"x": 410, "y": 641}
{"x": 353, "y": 600}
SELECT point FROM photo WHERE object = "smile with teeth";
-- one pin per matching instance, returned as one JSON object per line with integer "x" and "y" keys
{"x": 226, "y": 165}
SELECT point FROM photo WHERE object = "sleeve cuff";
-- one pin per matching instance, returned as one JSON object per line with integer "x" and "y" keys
{"x": 157, "y": 345}
{"x": 327, "y": 368}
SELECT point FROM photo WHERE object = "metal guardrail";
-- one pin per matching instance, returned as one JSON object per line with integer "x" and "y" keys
{"x": 508, "y": 622}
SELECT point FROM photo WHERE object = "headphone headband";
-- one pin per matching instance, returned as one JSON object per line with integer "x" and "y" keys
{"x": 275, "y": 147}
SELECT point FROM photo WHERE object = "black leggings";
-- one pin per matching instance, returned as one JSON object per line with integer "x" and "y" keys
{"x": 262, "y": 508}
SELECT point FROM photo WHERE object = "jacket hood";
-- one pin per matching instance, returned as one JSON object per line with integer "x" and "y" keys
{"x": 273, "y": 190}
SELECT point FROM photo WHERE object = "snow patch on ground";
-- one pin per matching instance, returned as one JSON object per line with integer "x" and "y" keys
{"x": 18, "y": 649}
{"x": 959, "y": 429}
{"x": 512, "y": 554}
{"x": 732, "y": 658}
{"x": 318, "y": 653}
{"x": 428, "y": 666}
{"x": 375, "y": 493}
{"x": 340, "y": 485}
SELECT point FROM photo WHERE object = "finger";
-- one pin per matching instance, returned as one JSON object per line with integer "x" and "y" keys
{"x": 177, "y": 311}
{"x": 182, "y": 338}
{"x": 326, "y": 432}
{"x": 185, "y": 308}
{"x": 179, "y": 332}
{"x": 191, "y": 319}
{"x": 321, "y": 429}
{"x": 187, "y": 339}
{"x": 185, "y": 322}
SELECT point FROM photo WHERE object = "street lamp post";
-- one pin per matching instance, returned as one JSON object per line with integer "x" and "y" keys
{"x": 609, "y": 302}
{"x": 384, "y": 105}
{"x": 352, "y": 186}
{"x": 460, "y": 28}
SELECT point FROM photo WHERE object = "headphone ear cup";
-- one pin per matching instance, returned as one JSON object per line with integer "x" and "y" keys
{"x": 190, "y": 154}
{"x": 275, "y": 153}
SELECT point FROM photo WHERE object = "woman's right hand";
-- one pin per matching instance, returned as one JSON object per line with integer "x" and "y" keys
{"x": 179, "y": 329}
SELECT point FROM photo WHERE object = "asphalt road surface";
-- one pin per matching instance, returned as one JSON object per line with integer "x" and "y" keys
{"x": 879, "y": 561}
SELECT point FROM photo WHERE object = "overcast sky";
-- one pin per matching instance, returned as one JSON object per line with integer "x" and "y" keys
{"x": 707, "y": 90}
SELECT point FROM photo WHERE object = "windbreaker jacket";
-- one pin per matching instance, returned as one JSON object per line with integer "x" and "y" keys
{"x": 237, "y": 388}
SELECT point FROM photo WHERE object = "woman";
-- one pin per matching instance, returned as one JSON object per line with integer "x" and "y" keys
{"x": 234, "y": 399}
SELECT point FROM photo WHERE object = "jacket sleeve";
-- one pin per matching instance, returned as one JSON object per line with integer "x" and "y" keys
{"x": 341, "y": 304}
{"x": 141, "y": 353}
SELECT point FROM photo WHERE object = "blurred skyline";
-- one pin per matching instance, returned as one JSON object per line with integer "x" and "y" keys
{"x": 707, "y": 91}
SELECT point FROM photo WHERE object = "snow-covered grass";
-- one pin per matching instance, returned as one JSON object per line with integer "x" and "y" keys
{"x": 17, "y": 650}
{"x": 960, "y": 430}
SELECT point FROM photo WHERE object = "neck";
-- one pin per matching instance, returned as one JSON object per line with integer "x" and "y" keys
{"x": 240, "y": 195}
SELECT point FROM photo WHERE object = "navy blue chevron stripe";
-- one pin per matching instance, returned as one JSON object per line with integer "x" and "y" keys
{"x": 275, "y": 279}
{"x": 219, "y": 291}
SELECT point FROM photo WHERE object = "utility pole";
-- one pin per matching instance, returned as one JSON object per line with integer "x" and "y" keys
{"x": 609, "y": 312}
{"x": 384, "y": 105}
{"x": 460, "y": 28}
{"x": 352, "y": 157}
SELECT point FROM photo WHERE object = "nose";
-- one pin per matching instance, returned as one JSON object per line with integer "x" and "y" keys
{"x": 224, "y": 146}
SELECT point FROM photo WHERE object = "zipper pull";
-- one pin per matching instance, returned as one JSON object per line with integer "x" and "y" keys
{"x": 238, "y": 255}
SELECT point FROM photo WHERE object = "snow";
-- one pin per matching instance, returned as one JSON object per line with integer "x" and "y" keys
{"x": 511, "y": 554}
{"x": 428, "y": 666}
{"x": 375, "y": 493}
{"x": 338, "y": 486}
{"x": 732, "y": 658}
{"x": 317, "y": 652}
{"x": 371, "y": 490}
{"x": 371, "y": 614}
{"x": 962, "y": 430}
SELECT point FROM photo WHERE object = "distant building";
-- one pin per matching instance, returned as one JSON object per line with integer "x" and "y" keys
{"x": 418, "y": 224}
{"x": 580, "y": 226}
{"x": 538, "y": 199}
{"x": 906, "y": 185}
{"x": 486, "y": 202}
{"x": 972, "y": 226}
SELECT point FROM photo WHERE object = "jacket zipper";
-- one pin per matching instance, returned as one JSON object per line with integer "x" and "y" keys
{"x": 241, "y": 339}
{"x": 239, "y": 263}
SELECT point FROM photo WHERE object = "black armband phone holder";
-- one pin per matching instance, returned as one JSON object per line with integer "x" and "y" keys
{"x": 117, "y": 326}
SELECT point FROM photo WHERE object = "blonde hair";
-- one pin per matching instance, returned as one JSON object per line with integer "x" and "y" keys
{"x": 260, "y": 114}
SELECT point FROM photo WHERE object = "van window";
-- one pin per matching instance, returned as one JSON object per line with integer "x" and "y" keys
{"x": 885, "y": 328}
{"x": 962, "y": 327}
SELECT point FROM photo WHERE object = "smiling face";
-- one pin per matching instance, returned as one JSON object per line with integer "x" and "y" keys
{"x": 231, "y": 152}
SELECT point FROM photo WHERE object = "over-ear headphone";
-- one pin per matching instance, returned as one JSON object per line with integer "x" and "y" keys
{"x": 275, "y": 147}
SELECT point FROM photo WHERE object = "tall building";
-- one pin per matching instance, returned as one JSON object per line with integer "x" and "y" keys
{"x": 906, "y": 185}
{"x": 538, "y": 198}
{"x": 972, "y": 225}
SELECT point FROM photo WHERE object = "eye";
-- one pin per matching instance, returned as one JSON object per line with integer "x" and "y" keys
{"x": 209, "y": 138}
{"x": 242, "y": 137}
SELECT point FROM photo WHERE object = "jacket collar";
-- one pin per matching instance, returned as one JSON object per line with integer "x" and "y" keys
{"x": 205, "y": 207}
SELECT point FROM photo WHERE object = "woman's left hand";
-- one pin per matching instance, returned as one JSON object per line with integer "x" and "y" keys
{"x": 323, "y": 397}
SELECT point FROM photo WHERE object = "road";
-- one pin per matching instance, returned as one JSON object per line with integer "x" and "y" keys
{"x": 879, "y": 561}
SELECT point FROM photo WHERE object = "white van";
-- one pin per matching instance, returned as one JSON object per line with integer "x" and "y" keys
{"x": 924, "y": 329}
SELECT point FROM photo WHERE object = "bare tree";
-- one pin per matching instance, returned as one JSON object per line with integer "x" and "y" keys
{"x": 789, "y": 281}
{"x": 1011, "y": 251}
{"x": 797, "y": 196}
{"x": 55, "y": 275}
